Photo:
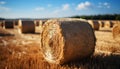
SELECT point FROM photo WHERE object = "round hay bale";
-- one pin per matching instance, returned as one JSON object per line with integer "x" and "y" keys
{"x": 43, "y": 21}
{"x": 26, "y": 26}
{"x": 2, "y": 23}
{"x": 101, "y": 23}
{"x": 94, "y": 23}
{"x": 16, "y": 22}
{"x": 108, "y": 24}
{"x": 65, "y": 41}
{"x": 9, "y": 24}
{"x": 38, "y": 23}
{"x": 114, "y": 22}
{"x": 116, "y": 32}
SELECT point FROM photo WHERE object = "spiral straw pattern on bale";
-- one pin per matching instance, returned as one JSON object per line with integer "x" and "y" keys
{"x": 116, "y": 32}
{"x": 9, "y": 24}
{"x": 94, "y": 23}
{"x": 65, "y": 41}
{"x": 27, "y": 27}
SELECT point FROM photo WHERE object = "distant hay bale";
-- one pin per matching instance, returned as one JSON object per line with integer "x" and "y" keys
{"x": 16, "y": 22}
{"x": 108, "y": 24}
{"x": 43, "y": 22}
{"x": 116, "y": 32}
{"x": 2, "y": 23}
{"x": 38, "y": 26}
{"x": 101, "y": 23}
{"x": 9, "y": 24}
{"x": 27, "y": 27}
{"x": 65, "y": 41}
{"x": 114, "y": 22}
{"x": 94, "y": 23}
{"x": 38, "y": 23}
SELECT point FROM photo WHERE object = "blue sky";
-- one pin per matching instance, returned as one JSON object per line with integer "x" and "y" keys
{"x": 56, "y": 8}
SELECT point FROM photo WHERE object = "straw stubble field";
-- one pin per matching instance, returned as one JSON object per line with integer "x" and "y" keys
{"x": 22, "y": 51}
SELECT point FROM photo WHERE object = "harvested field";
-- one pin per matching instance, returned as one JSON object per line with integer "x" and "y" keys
{"x": 4, "y": 32}
{"x": 22, "y": 51}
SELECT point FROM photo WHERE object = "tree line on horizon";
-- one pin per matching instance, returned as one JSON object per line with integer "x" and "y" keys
{"x": 91, "y": 17}
{"x": 99, "y": 17}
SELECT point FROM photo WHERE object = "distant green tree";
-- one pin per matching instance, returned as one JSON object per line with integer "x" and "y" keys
{"x": 118, "y": 17}
{"x": 2, "y": 19}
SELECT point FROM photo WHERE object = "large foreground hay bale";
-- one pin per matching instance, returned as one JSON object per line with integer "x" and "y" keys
{"x": 94, "y": 23}
{"x": 9, "y": 24}
{"x": 65, "y": 41}
{"x": 116, "y": 32}
{"x": 27, "y": 27}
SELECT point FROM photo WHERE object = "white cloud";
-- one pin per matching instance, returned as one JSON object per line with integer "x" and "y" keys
{"x": 83, "y": 5}
{"x": 39, "y": 9}
{"x": 104, "y": 5}
{"x": 2, "y": 2}
{"x": 4, "y": 8}
{"x": 65, "y": 7}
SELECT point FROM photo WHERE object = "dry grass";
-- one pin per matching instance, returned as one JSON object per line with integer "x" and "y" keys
{"x": 24, "y": 53}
